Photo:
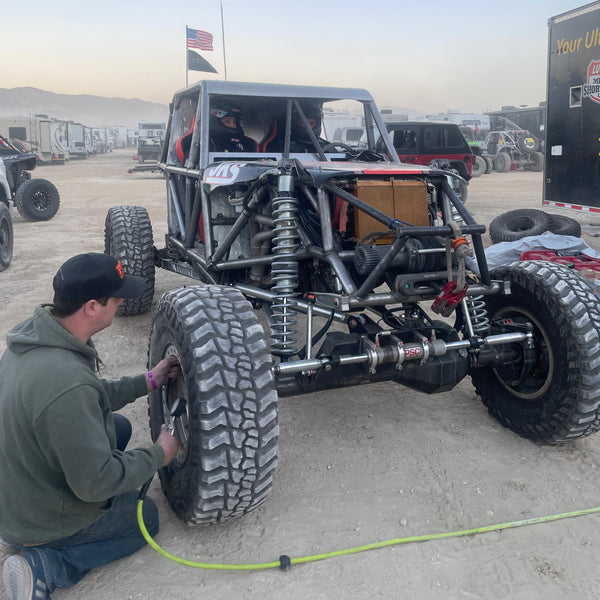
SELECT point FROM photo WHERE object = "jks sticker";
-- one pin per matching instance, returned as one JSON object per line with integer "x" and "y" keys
{"x": 222, "y": 174}
{"x": 592, "y": 89}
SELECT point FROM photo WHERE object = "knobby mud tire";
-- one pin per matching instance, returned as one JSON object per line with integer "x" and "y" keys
{"x": 503, "y": 162}
{"x": 563, "y": 225}
{"x": 37, "y": 200}
{"x": 516, "y": 224}
{"x": 128, "y": 237}
{"x": 6, "y": 236}
{"x": 527, "y": 143}
{"x": 229, "y": 432}
{"x": 537, "y": 162}
{"x": 559, "y": 398}
{"x": 479, "y": 166}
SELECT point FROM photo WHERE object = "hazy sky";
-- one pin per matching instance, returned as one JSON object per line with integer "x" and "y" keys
{"x": 427, "y": 55}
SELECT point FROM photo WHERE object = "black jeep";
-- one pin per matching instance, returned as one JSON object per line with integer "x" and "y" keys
{"x": 365, "y": 269}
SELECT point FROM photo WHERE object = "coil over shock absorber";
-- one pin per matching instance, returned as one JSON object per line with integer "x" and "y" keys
{"x": 284, "y": 269}
{"x": 479, "y": 315}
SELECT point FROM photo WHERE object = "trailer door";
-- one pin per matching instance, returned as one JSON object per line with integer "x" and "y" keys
{"x": 45, "y": 138}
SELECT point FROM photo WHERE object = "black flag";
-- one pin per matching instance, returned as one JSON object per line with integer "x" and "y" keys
{"x": 197, "y": 63}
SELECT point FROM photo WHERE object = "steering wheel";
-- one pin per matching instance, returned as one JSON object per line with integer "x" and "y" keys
{"x": 331, "y": 146}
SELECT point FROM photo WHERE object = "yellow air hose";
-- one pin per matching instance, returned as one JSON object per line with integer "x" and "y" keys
{"x": 285, "y": 562}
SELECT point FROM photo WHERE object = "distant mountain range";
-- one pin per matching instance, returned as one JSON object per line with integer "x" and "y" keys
{"x": 94, "y": 111}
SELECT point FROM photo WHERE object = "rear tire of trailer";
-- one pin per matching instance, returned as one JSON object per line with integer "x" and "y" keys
{"x": 556, "y": 398}
{"x": 229, "y": 431}
{"x": 6, "y": 236}
{"x": 537, "y": 162}
{"x": 516, "y": 224}
{"x": 503, "y": 162}
{"x": 128, "y": 237}
{"x": 562, "y": 225}
{"x": 479, "y": 166}
{"x": 37, "y": 200}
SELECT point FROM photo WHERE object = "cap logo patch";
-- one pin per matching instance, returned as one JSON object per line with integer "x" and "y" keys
{"x": 119, "y": 269}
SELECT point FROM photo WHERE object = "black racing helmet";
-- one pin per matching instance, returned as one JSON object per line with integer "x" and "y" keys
{"x": 311, "y": 110}
{"x": 219, "y": 110}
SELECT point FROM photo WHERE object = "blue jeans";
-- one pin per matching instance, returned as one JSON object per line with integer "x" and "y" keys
{"x": 113, "y": 536}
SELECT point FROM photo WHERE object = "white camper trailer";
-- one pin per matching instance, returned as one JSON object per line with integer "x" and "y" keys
{"x": 76, "y": 140}
{"x": 44, "y": 136}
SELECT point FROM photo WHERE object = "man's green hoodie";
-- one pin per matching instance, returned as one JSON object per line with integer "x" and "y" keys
{"x": 59, "y": 466}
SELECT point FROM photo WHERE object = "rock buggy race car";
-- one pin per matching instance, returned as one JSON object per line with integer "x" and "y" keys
{"x": 35, "y": 199}
{"x": 364, "y": 269}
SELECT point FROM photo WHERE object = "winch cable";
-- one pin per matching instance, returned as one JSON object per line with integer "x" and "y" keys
{"x": 285, "y": 562}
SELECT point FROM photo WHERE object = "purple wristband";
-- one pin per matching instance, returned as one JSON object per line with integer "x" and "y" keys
{"x": 152, "y": 382}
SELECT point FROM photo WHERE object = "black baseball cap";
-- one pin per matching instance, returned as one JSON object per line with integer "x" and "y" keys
{"x": 94, "y": 275}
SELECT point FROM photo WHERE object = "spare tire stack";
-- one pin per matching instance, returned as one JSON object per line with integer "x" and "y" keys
{"x": 523, "y": 222}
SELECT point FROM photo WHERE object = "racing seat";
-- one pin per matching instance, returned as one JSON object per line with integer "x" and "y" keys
{"x": 183, "y": 144}
{"x": 273, "y": 136}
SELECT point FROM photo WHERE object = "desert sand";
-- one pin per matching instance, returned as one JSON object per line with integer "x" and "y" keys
{"x": 356, "y": 466}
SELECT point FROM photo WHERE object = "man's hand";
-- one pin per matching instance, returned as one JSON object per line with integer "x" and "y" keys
{"x": 169, "y": 444}
{"x": 167, "y": 368}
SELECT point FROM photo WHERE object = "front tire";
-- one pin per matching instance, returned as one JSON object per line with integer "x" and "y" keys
{"x": 556, "y": 398}
{"x": 489, "y": 165}
{"x": 6, "y": 236}
{"x": 229, "y": 432}
{"x": 503, "y": 162}
{"x": 37, "y": 200}
{"x": 128, "y": 237}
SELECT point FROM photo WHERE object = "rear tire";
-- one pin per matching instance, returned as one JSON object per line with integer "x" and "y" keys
{"x": 516, "y": 224}
{"x": 6, "y": 237}
{"x": 229, "y": 431}
{"x": 128, "y": 237}
{"x": 537, "y": 162}
{"x": 557, "y": 397}
{"x": 37, "y": 200}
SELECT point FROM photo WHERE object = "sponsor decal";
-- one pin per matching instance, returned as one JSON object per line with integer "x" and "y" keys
{"x": 591, "y": 89}
{"x": 223, "y": 173}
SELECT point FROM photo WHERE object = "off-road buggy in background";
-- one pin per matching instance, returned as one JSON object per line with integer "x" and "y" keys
{"x": 35, "y": 199}
{"x": 360, "y": 266}
{"x": 515, "y": 147}
{"x": 149, "y": 148}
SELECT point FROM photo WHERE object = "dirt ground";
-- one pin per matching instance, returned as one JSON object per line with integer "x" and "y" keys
{"x": 356, "y": 467}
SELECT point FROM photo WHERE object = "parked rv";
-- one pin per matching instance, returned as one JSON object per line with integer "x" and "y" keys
{"x": 43, "y": 135}
{"x": 76, "y": 138}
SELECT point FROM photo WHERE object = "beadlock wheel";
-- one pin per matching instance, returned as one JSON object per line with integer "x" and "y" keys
{"x": 229, "y": 430}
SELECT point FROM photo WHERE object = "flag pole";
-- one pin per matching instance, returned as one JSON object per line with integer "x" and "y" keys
{"x": 223, "y": 37}
{"x": 187, "y": 66}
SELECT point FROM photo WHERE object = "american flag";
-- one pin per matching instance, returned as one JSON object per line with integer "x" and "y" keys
{"x": 199, "y": 39}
